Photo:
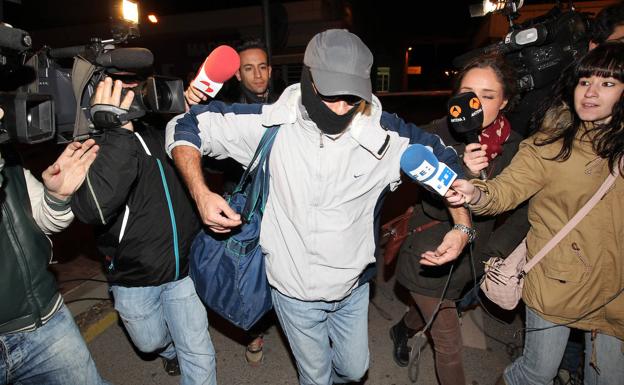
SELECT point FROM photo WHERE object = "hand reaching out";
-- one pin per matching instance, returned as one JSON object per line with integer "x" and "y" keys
{"x": 452, "y": 245}
{"x": 68, "y": 172}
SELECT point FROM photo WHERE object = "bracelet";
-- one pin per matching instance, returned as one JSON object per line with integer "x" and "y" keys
{"x": 470, "y": 231}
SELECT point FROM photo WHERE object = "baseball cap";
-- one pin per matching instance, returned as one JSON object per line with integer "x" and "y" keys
{"x": 340, "y": 64}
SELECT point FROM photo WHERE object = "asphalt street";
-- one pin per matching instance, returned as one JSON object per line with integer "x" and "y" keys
{"x": 489, "y": 346}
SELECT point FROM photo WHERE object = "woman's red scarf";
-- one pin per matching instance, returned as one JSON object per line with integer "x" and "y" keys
{"x": 495, "y": 135}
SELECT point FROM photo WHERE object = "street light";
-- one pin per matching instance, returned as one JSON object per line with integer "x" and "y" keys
{"x": 406, "y": 65}
{"x": 489, "y": 6}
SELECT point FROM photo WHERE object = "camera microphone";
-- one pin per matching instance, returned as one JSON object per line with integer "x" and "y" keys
{"x": 465, "y": 115}
{"x": 126, "y": 58}
{"x": 14, "y": 38}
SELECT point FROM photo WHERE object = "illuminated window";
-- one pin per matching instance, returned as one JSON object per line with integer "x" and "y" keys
{"x": 383, "y": 79}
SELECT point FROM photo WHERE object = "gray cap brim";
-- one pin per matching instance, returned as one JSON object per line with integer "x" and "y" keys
{"x": 334, "y": 83}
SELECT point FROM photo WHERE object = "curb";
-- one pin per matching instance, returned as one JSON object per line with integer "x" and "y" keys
{"x": 99, "y": 327}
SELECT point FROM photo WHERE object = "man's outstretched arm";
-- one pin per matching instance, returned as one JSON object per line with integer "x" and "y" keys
{"x": 213, "y": 209}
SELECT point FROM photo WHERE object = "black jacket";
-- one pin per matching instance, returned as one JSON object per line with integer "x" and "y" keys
{"x": 144, "y": 216}
{"x": 493, "y": 240}
{"x": 28, "y": 294}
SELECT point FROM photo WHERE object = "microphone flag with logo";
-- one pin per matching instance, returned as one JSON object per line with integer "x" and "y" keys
{"x": 420, "y": 164}
{"x": 219, "y": 66}
{"x": 465, "y": 115}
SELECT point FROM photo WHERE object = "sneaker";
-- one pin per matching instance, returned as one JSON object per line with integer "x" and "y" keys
{"x": 172, "y": 366}
{"x": 399, "y": 334}
{"x": 253, "y": 354}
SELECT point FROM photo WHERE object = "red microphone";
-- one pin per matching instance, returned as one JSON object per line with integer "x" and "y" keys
{"x": 219, "y": 66}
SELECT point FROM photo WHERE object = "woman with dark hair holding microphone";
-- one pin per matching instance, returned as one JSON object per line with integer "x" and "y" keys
{"x": 493, "y": 81}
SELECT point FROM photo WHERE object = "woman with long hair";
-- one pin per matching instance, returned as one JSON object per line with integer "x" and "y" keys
{"x": 493, "y": 81}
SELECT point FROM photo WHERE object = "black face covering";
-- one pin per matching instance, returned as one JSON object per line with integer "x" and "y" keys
{"x": 328, "y": 121}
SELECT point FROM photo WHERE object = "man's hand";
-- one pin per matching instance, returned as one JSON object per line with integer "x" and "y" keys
{"x": 452, "y": 245}
{"x": 68, "y": 172}
{"x": 475, "y": 158}
{"x": 193, "y": 96}
{"x": 213, "y": 209}
{"x": 216, "y": 213}
{"x": 106, "y": 93}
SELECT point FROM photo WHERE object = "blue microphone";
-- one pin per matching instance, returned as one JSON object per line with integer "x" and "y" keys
{"x": 419, "y": 163}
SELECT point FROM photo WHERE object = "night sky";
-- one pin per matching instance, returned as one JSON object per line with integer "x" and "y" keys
{"x": 451, "y": 15}
{"x": 438, "y": 30}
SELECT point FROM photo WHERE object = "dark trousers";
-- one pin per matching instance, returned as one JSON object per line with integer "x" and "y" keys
{"x": 445, "y": 333}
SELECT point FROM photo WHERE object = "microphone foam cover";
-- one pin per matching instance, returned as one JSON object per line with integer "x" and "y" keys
{"x": 131, "y": 57}
{"x": 419, "y": 163}
{"x": 14, "y": 38}
{"x": 221, "y": 64}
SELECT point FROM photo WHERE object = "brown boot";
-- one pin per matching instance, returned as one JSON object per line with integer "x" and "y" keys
{"x": 501, "y": 380}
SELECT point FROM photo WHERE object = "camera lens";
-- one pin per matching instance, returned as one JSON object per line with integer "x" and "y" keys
{"x": 163, "y": 95}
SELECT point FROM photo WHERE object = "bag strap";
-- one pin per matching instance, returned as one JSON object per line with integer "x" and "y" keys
{"x": 606, "y": 185}
{"x": 267, "y": 136}
{"x": 259, "y": 191}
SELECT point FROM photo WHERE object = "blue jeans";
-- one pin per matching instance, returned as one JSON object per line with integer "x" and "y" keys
{"x": 543, "y": 351}
{"x": 170, "y": 319}
{"x": 310, "y": 326}
{"x": 52, "y": 354}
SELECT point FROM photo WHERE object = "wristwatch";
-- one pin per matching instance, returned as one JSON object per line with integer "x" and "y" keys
{"x": 470, "y": 231}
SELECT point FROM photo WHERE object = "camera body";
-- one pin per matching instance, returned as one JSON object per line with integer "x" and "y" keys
{"x": 47, "y": 93}
{"x": 28, "y": 116}
{"x": 539, "y": 49}
{"x": 71, "y": 75}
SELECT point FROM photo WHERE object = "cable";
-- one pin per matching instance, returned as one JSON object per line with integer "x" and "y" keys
{"x": 420, "y": 339}
{"x": 510, "y": 347}
{"x": 83, "y": 279}
{"x": 87, "y": 299}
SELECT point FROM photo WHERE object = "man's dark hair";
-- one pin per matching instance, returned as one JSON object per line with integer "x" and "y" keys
{"x": 251, "y": 43}
{"x": 606, "y": 21}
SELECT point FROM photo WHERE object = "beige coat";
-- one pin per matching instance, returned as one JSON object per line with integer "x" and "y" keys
{"x": 586, "y": 269}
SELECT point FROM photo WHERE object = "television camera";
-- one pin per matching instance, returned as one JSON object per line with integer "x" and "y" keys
{"x": 47, "y": 93}
{"x": 539, "y": 49}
